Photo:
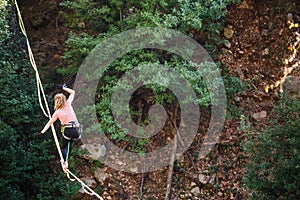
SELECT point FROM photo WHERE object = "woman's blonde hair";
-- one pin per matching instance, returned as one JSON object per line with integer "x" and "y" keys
{"x": 59, "y": 101}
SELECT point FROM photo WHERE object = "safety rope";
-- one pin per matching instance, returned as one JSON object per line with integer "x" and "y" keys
{"x": 41, "y": 94}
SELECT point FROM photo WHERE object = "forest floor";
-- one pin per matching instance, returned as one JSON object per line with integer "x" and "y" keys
{"x": 254, "y": 53}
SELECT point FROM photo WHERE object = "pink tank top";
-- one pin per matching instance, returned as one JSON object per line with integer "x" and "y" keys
{"x": 66, "y": 114}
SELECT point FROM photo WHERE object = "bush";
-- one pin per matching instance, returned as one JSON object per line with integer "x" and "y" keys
{"x": 113, "y": 17}
{"x": 274, "y": 168}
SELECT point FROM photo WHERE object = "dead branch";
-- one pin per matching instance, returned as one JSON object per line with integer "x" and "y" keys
{"x": 171, "y": 167}
{"x": 142, "y": 185}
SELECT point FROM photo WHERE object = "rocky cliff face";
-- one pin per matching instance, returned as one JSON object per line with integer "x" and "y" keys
{"x": 46, "y": 34}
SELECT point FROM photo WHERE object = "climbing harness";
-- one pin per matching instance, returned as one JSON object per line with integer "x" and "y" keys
{"x": 41, "y": 95}
{"x": 76, "y": 125}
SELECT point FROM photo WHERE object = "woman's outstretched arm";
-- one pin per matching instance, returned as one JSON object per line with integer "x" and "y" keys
{"x": 51, "y": 121}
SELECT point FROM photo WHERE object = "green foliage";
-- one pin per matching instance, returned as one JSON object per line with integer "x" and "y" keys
{"x": 25, "y": 171}
{"x": 233, "y": 86}
{"x": 274, "y": 170}
{"x": 96, "y": 16}
{"x": 162, "y": 96}
{"x": 3, "y": 22}
{"x": 233, "y": 111}
{"x": 79, "y": 46}
{"x": 116, "y": 16}
{"x": 13, "y": 77}
{"x": 8, "y": 147}
{"x": 106, "y": 18}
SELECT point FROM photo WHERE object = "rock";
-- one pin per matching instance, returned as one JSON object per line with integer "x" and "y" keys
{"x": 291, "y": 85}
{"x": 259, "y": 115}
{"x": 81, "y": 25}
{"x": 94, "y": 151}
{"x": 89, "y": 182}
{"x": 290, "y": 17}
{"x": 195, "y": 191}
{"x": 134, "y": 169}
{"x": 265, "y": 32}
{"x": 265, "y": 52}
{"x": 112, "y": 192}
{"x": 131, "y": 10}
{"x": 39, "y": 19}
{"x": 212, "y": 179}
{"x": 243, "y": 5}
{"x": 56, "y": 56}
{"x": 203, "y": 179}
{"x": 193, "y": 184}
{"x": 119, "y": 162}
{"x": 100, "y": 175}
{"x": 227, "y": 44}
{"x": 228, "y": 31}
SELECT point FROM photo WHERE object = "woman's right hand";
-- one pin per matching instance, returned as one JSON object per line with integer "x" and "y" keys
{"x": 61, "y": 86}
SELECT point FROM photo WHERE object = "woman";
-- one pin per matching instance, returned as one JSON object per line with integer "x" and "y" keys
{"x": 65, "y": 113}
